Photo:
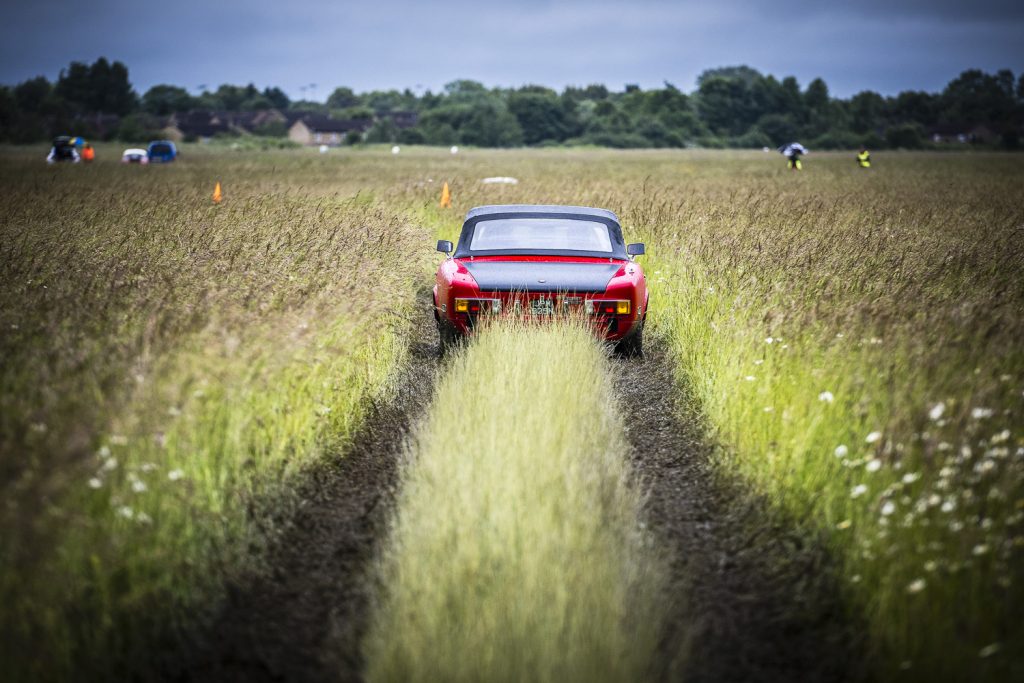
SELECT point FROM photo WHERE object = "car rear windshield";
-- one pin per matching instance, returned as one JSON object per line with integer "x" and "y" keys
{"x": 555, "y": 234}
{"x": 161, "y": 149}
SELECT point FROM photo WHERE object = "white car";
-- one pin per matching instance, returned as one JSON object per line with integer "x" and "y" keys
{"x": 135, "y": 156}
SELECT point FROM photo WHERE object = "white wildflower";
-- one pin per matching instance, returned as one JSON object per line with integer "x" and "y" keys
{"x": 769, "y": 340}
{"x": 147, "y": 467}
{"x": 855, "y": 578}
{"x": 944, "y": 446}
{"x": 984, "y": 467}
{"x": 175, "y": 475}
{"x": 841, "y": 451}
{"x": 103, "y": 452}
{"x": 768, "y": 409}
{"x": 916, "y": 586}
{"x": 1001, "y": 436}
{"x": 873, "y": 437}
{"x": 174, "y": 411}
{"x": 981, "y": 413}
{"x": 937, "y": 411}
{"x": 95, "y": 483}
{"x": 845, "y": 524}
{"x": 989, "y": 650}
{"x": 758, "y": 361}
{"x": 911, "y": 477}
{"x": 109, "y": 464}
{"x": 979, "y": 550}
{"x": 949, "y": 505}
{"x": 143, "y": 518}
{"x": 930, "y": 566}
{"x": 888, "y": 508}
{"x": 138, "y": 486}
{"x": 119, "y": 440}
{"x": 750, "y": 378}
{"x": 126, "y": 512}
{"x": 826, "y": 397}
{"x": 858, "y": 490}
{"x": 873, "y": 465}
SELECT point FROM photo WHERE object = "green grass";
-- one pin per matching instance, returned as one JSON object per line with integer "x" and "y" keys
{"x": 518, "y": 553}
{"x": 894, "y": 291}
{"x": 168, "y": 367}
{"x": 823, "y": 331}
{"x": 114, "y": 273}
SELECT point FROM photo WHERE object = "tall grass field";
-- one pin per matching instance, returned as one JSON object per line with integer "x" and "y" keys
{"x": 851, "y": 338}
{"x": 168, "y": 365}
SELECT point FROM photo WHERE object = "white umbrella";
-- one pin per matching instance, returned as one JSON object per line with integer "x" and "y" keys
{"x": 788, "y": 150}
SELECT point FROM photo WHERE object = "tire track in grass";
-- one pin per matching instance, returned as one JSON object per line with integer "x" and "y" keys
{"x": 302, "y": 618}
{"x": 759, "y": 598}
{"x": 517, "y": 551}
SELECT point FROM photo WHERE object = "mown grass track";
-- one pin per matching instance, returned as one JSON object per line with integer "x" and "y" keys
{"x": 518, "y": 551}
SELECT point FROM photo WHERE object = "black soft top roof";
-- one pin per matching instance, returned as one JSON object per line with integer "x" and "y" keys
{"x": 545, "y": 209}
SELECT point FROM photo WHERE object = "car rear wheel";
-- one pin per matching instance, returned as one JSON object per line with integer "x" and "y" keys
{"x": 632, "y": 345}
{"x": 448, "y": 338}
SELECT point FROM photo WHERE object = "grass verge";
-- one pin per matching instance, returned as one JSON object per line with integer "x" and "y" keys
{"x": 518, "y": 553}
{"x": 168, "y": 365}
{"x": 859, "y": 362}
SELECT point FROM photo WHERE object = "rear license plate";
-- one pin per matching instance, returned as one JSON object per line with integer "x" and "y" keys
{"x": 542, "y": 306}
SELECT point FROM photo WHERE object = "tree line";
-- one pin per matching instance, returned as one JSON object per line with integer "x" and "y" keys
{"x": 731, "y": 107}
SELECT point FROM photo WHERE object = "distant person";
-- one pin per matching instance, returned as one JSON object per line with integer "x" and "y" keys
{"x": 864, "y": 158}
{"x": 62, "y": 150}
{"x": 794, "y": 161}
{"x": 792, "y": 152}
{"x": 88, "y": 153}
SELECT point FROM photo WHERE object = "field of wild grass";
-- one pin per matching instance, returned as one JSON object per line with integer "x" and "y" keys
{"x": 852, "y": 338}
{"x": 167, "y": 367}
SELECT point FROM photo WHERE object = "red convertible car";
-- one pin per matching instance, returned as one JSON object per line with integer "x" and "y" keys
{"x": 540, "y": 261}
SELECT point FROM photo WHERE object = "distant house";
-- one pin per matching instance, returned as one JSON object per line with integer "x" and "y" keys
{"x": 203, "y": 125}
{"x": 321, "y": 130}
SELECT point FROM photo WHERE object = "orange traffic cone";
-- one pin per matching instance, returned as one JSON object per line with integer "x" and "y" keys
{"x": 446, "y": 197}
{"x": 217, "y": 196}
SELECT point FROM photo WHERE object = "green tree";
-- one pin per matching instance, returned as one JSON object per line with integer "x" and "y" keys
{"x": 161, "y": 100}
{"x": 32, "y": 95}
{"x": 343, "y": 98}
{"x": 540, "y": 114}
{"x": 867, "y": 111}
{"x": 276, "y": 97}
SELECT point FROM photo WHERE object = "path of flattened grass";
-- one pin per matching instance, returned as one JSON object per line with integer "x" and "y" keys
{"x": 517, "y": 553}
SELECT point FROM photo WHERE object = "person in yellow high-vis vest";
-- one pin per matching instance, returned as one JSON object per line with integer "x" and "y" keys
{"x": 864, "y": 158}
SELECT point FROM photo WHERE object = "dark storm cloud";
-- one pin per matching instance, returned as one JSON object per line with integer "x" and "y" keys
{"x": 886, "y": 46}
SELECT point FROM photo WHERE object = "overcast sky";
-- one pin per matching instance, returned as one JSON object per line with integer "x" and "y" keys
{"x": 883, "y": 45}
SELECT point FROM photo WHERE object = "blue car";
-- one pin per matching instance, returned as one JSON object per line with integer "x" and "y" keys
{"x": 162, "y": 151}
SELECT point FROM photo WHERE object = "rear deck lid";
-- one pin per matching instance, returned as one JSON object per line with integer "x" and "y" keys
{"x": 539, "y": 276}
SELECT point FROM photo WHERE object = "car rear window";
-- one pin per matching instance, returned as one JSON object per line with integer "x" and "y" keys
{"x": 161, "y": 149}
{"x": 556, "y": 234}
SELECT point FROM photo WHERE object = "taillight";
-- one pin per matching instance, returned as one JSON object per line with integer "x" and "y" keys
{"x": 474, "y": 306}
{"x": 612, "y": 307}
